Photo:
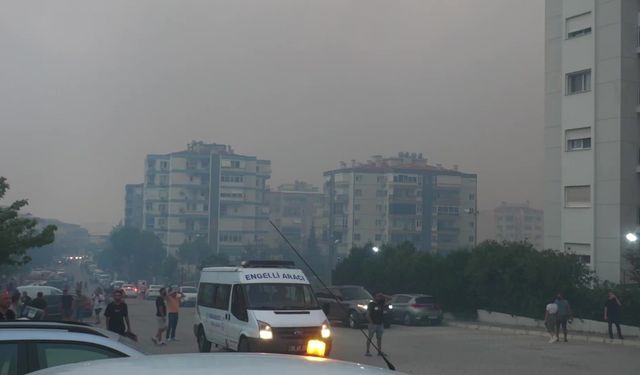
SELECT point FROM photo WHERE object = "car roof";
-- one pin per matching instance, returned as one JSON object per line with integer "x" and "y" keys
{"x": 225, "y": 363}
{"x": 412, "y": 295}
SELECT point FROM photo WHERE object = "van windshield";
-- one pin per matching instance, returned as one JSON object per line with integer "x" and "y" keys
{"x": 280, "y": 297}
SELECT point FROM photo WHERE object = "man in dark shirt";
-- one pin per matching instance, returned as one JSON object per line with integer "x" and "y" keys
{"x": 612, "y": 314}
{"x": 375, "y": 317}
{"x": 5, "y": 312}
{"x": 67, "y": 303}
{"x": 117, "y": 314}
{"x": 40, "y": 303}
{"x": 161, "y": 317}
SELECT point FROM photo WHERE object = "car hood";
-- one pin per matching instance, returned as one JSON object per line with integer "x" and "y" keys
{"x": 291, "y": 318}
{"x": 212, "y": 363}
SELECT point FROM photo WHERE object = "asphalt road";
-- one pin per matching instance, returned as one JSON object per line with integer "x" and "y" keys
{"x": 435, "y": 350}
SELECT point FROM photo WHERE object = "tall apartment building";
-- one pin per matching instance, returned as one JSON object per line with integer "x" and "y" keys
{"x": 392, "y": 200}
{"x": 133, "y": 205}
{"x": 591, "y": 130}
{"x": 519, "y": 222}
{"x": 295, "y": 208}
{"x": 207, "y": 191}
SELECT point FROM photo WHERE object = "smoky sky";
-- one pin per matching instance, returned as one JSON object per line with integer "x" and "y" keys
{"x": 88, "y": 88}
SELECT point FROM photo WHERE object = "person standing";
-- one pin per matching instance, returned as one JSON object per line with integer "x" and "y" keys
{"x": 117, "y": 314}
{"x": 375, "y": 318}
{"x": 79, "y": 306}
{"x": 97, "y": 299}
{"x": 40, "y": 303}
{"x": 161, "y": 317}
{"x": 67, "y": 303}
{"x": 612, "y": 314}
{"x": 5, "y": 303}
{"x": 563, "y": 315}
{"x": 550, "y": 320}
{"x": 173, "y": 307}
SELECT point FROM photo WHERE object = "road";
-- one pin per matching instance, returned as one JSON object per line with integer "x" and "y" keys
{"x": 436, "y": 350}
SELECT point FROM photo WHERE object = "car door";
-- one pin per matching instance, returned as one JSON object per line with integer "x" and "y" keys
{"x": 400, "y": 306}
{"x": 45, "y": 354}
{"x": 238, "y": 317}
{"x": 13, "y": 359}
{"x": 337, "y": 310}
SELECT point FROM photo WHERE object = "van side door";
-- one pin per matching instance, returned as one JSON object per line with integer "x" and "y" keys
{"x": 221, "y": 311}
{"x": 239, "y": 317}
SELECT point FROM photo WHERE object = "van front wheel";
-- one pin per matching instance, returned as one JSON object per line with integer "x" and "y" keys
{"x": 243, "y": 345}
{"x": 204, "y": 345}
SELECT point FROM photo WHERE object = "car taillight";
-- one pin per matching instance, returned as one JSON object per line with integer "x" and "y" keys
{"x": 418, "y": 305}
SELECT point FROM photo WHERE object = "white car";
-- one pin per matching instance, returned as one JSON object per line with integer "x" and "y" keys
{"x": 153, "y": 291}
{"x": 218, "y": 364}
{"x": 32, "y": 290}
{"x": 190, "y": 294}
{"x": 130, "y": 290}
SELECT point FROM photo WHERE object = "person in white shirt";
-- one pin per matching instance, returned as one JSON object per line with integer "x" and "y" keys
{"x": 97, "y": 298}
{"x": 550, "y": 320}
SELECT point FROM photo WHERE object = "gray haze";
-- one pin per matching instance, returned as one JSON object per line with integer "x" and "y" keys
{"x": 88, "y": 88}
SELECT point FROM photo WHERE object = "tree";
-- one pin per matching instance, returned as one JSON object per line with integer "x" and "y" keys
{"x": 169, "y": 268}
{"x": 194, "y": 252}
{"x": 633, "y": 257}
{"x": 18, "y": 233}
{"x": 214, "y": 260}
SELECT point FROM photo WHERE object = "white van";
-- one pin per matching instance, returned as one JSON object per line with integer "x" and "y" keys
{"x": 261, "y": 306}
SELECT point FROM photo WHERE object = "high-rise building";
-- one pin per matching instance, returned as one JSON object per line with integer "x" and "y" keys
{"x": 133, "y": 204}
{"x": 520, "y": 223}
{"x": 207, "y": 191}
{"x": 592, "y": 143}
{"x": 392, "y": 200}
{"x": 294, "y": 209}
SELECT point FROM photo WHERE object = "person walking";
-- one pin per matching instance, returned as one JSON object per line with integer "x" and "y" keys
{"x": 173, "y": 307}
{"x": 67, "y": 304}
{"x": 612, "y": 314}
{"x": 161, "y": 317}
{"x": 550, "y": 320}
{"x": 563, "y": 315}
{"x": 97, "y": 299}
{"x": 79, "y": 305}
{"x": 5, "y": 311}
{"x": 40, "y": 303}
{"x": 375, "y": 318}
{"x": 117, "y": 314}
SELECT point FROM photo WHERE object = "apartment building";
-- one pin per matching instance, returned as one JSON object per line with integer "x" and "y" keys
{"x": 209, "y": 191}
{"x": 133, "y": 205}
{"x": 592, "y": 142}
{"x": 520, "y": 223}
{"x": 296, "y": 209}
{"x": 397, "y": 199}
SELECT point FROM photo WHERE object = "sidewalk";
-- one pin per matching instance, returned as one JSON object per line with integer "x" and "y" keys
{"x": 530, "y": 331}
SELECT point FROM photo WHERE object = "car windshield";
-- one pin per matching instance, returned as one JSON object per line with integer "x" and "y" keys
{"x": 280, "y": 297}
{"x": 354, "y": 293}
{"x": 189, "y": 289}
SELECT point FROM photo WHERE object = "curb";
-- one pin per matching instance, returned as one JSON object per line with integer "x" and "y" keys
{"x": 535, "y": 332}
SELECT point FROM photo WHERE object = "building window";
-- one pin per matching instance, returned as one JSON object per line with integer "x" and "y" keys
{"x": 577, "y": 196}
{"x": 235, "y": 163}
{"x": 579, "y": 82}
{"x": 381, "y": 193}
{"x": 164, "y": 165}
{"x": 358, "y": 178}
{"x": 578, "y": 139}
{"x": 470, "y": 238}
{"x": 356, "y": 236}
{"x": 579, "y": 25}
{"x": 356, "y": 207}
{"x": 356, "y": 222}
{"x": 357, "y": 192}
{"x": 381, "y": 179}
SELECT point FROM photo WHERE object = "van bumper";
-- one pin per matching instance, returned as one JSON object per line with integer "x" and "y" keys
{"x": 285, "y": 346}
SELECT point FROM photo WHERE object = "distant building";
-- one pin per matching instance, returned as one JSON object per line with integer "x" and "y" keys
{"x": 519, "y": 222}
{"x": 397, "y": 199}
{"x": 294, "y": 209}
{"x": 133, "y": 205}
{"x": 207, "y": 191}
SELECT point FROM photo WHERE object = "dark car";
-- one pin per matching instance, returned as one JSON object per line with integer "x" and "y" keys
{"x": 350, "y": 307}
{"x": 411, "y": 309}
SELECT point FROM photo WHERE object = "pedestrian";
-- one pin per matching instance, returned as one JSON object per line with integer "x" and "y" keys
{"x": 550, "y": 320}
{"x": 97, "y": 298}
{"x": 173, "y": 307}
{"x": 67, "y": 303}
{"x": 5, "y": 303}
{"x": 25, "y": 299}
{"x": 612, "y": 314}
{"x": 563, "y": 315}
{"x": 117, "y": 314}
{"x": 79, "y": 305}
{"x": 375, "y": 318}
{"x": 161, "y": 317}
{"x": 40, "y": 303}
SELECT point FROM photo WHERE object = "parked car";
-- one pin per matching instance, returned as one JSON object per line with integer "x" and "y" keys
{"x": 190, "y": 294}
{"x": 27, "y": 346}
{"x": 219, "y": 363}
{"x": 410, "y": 309}
{"x": 130, "y": 290}
{"x": 153, "y": 291}
{"x": 351, "y": 305}
{"x": 32, "y": 290}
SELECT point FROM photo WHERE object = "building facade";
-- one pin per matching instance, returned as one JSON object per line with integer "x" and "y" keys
{"x": 519, "y": 223}
{"x": 133, "y": 205}
{"x": 295, "y": 208}
{"x": 392, "y": 200}
{"x": 207, "y": 191}
{"x": 591, "y": 130}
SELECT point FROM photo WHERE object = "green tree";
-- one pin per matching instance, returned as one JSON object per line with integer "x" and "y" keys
{"x": 633, "y": 257}
{"x": 194, "y": 252}
{"x": 169, "y": 268}
{"x": 18, "y": 233}
{"x": 214, "y": 260}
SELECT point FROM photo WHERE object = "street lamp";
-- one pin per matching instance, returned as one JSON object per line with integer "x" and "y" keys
{"x": 375, "y": 249}
{"x": 631, "y": 237}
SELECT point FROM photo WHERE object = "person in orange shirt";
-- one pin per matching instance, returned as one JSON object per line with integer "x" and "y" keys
{"x": 173, "y": 307}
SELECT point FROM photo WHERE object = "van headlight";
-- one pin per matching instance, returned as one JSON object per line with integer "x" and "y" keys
{"x": 325, "y": 331}
{"x": 362, "y": 307}
{"x": 264, "y": 331}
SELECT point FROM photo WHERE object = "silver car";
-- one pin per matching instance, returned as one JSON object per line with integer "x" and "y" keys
{"x": 412, "y": 309}
{"x": 27, "y": 346}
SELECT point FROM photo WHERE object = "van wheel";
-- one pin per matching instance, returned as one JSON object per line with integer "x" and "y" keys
{"x": 204, "y": 345}
{"x": 352, "y": 320}
{"x": 243, "y": 345}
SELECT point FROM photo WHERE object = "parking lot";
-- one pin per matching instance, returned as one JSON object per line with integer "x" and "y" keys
{"x": 436, "y": 350}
